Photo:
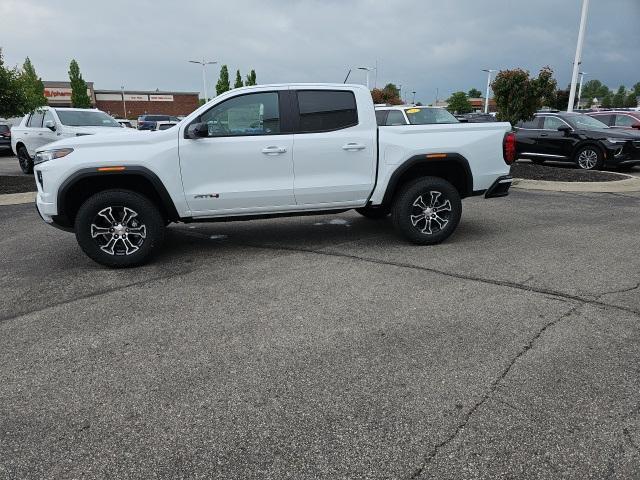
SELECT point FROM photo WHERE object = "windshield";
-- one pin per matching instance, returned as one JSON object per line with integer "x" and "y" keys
{"x": 89, "y": 118}
{"x": 586, "y": 122}
{"x": 427, "y": 116}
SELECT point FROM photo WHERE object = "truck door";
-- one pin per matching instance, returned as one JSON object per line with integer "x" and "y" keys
{"x": 334, "y": 151}
{"x": 244, "y": 164}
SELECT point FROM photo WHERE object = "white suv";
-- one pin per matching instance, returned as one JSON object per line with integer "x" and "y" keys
{"x": 49, "y": 124}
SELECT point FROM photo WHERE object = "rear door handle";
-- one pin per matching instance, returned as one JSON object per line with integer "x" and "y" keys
{"x": 273, "y": 150}
{"x": 353, "y": 146}
{"x": 544, "y": 134}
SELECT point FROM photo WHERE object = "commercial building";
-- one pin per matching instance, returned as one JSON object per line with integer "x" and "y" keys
{"x": 133, "y": 102}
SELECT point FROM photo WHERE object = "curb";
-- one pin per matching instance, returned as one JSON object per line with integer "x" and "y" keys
{"x": 629, "y": 184}
{"x": 17, "y": 198}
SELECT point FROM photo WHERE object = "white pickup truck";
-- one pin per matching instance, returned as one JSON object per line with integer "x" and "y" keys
{"x": 267, "y": 151}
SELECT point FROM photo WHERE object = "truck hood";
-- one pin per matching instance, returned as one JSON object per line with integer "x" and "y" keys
{"x": 99, "y": 138}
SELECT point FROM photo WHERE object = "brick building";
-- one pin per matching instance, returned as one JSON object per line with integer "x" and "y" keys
{"x": 140, "y": 102}
{"x": 137, "y": 102}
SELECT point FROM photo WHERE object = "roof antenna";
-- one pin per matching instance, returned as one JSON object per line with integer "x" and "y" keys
{"x": 347, "y": 77}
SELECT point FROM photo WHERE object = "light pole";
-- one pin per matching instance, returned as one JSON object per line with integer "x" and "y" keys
{"x": 578, "y": 59}
{"x": 204, "y": 81}
{"x": 486, "y": 98}
{"x": 436, "y": 104}
{"x": 367, "y": 69}
{"x": 413, "y": 97}
{"x": 582, "y": 74}
{"x": 124, "y": 103}
{"x": 400, "y": 92}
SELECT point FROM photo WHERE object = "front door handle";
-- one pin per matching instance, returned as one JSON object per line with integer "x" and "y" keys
{"x": 544, "y": 134}
{"x": 353, "y": 146}
{"x": 273, "y": 150}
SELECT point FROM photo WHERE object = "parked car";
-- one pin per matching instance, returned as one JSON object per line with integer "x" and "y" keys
{"x": 476, "y": 117}
{"x": 625, "y": 119}
{"x": 576, "y": 138}
{"x": 5, "y": 136}
{"x": 237, "y": 159}
{"x": 49, "y": 124}
{"x": 389, "y": 115}
{"x": 148, "y": 122}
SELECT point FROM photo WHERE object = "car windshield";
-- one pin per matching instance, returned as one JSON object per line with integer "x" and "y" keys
{"x": 427, "y": 116}
{"x": 586, "y": 122}
{"x": 89, "y": 118}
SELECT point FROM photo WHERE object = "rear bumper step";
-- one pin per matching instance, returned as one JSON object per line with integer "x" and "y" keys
{"x": 499, "y": 188}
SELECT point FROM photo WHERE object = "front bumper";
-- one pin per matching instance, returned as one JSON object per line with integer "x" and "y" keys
{"x": 499, "y": 188}
{"x": 623, "y": 155}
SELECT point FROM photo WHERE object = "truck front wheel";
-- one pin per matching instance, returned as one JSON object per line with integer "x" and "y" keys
{"x": 427, "y": 210}
{"x": 119, "y": 228}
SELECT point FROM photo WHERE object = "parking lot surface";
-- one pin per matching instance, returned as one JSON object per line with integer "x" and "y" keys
{"x": 327, "y": 347}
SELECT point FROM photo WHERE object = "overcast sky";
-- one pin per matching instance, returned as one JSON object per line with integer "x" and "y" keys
{"x": 420, "y": 44}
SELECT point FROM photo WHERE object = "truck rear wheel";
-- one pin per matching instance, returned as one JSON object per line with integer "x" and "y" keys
{"x": 427, "y": 210}
{"x": 119, "y": 228}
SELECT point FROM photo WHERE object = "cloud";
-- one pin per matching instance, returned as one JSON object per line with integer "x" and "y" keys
{"x": 421, "y": 44}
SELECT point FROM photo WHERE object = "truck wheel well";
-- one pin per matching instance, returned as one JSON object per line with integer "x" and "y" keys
{"x": 454, "y": 169}
{"x": 72, "y": 196}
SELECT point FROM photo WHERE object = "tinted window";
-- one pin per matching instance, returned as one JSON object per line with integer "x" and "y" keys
{"x": 165, "y": 126}
{"x": 86, "y": 118}
{"x": 603, "y": 118}
{"x": 36, "y": 119}
{"x": 531, "y": 124}
{"x": 4, "y": 128}
{"x": 395, "y": 117}
{"x": 154, "y": 118}
{"x": 625, "y": 121}
{"x": 324, "y": 110}
{"x": 428, "y": 116}
{"x": 253, "y": 114}
{"x": 381, "y": 117}
{"x": 552, "y": 123}
{"x": 586, "y": 122}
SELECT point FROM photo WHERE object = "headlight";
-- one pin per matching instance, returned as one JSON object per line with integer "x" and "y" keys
{"x": 51, "y": 154}
{"x": 617, "y": 140}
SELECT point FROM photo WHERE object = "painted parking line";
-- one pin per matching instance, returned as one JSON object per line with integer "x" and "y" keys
{"x": 17, "y": 198}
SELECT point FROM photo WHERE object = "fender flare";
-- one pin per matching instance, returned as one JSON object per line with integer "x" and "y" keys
{"x": 423, "y": 160}
{"x": 85, "y": 173}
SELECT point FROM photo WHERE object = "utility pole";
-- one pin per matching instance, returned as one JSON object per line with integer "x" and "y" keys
{"x": 578, "y": 59}
{"x": 413, "y": 98}
{"x": 124, "y": 103}
{"x": 204, "y": 81}
{"x": 582, "y": 74}
{"x": 486, "y": 98}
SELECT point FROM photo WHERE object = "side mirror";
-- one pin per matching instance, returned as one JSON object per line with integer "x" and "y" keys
{"x": 198, "y": 130}
{"x": 636, "y": 126}
{"x": 564, "y": 129}
{"x": 51, "y": 125}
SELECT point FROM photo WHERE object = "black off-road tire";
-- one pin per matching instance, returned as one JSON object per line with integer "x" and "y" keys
{"x": 25, "y": 161}
{"x": 427, "y": 210}
{"x": 129, "y": 249}
{"x": 374, "y": 213}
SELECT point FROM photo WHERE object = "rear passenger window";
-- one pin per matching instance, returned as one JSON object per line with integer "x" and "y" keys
{"x": 325, "y": 110}
{"x": 624, "y": 121}
{"x": 381, "y": 117}
{"x": 36, "y": 119}
{"x": 531, "y": 124}
{"x": 395, "y": 118}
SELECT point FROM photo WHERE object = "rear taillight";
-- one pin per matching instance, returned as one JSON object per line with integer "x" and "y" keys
{"x": 509, "y": 148}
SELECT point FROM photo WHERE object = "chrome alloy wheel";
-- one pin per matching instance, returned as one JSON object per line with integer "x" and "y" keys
{"x": 588, "y": 159}
{"x": 118, "y": 231}
{"x": 431, "y": 218}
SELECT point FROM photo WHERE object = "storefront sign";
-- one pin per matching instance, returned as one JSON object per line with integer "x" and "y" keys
{"x": 161, "y": 98}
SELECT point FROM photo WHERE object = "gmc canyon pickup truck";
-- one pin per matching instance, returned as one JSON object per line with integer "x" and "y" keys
{"x": 264, "y": 151}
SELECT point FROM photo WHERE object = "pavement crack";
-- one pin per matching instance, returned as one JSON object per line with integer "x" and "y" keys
{"x": 488, "y": 394}
{"x": 622, "y": 290}
{"x": 95, "y": 293}
{"x": 501, "y": 283}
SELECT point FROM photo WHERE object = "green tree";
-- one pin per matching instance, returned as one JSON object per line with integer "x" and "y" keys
{"x": 593, "y": 89}
{"x": 251, "y": 78}
{"x": 560, "y": 100}
{"x": 636, "y": 89}
{"x": 238, "y": 82}
{"x": 79, "y": 96}
{"x": 607, "y": 100}
{"x": 459, "y": 103}
{"x": 631, "y": 101}
{"x": 390, "y": 94}
{"x": 474, "y": 93}
{"x": 12, "y": 99}
{"x": 32, "y": 86}
{"x": 223, "y": 82}
{"x": 518, "y": 96}
{"x": 619, "y": 97}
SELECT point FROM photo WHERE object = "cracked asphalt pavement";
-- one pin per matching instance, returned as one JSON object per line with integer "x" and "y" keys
{"x": 327, "y": 347}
